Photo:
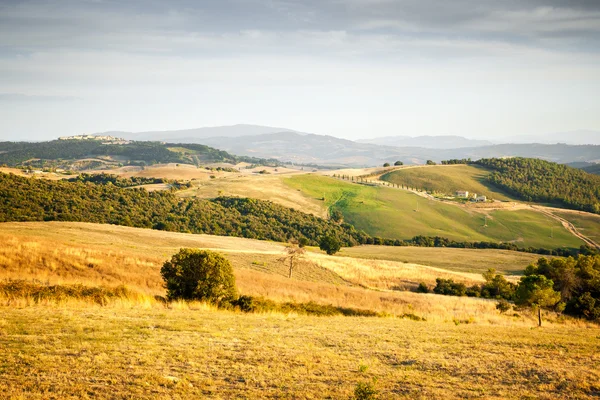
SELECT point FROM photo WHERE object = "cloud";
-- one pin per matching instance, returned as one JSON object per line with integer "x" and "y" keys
{"x": 20, "y": 98}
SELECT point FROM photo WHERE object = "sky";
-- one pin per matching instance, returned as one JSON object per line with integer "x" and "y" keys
{"x": 483, "y": 69}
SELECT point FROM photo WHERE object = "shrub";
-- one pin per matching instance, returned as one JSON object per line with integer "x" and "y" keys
{"x": 365, "y": 391}
{"x": 330, "y": 244}
{"x": 449, "y": 288}
{"x": 422, "y": 288}
{"x": 199, "y": 275}
{"x": 503, "y": 306}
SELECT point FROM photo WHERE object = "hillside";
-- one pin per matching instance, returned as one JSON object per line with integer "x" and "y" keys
{"x": 96, "y": 254}
{"x": 30, "y": 199}
{"x": 545, "y": 182}
{"x": 446, "y": 180}
{"x": 94, "y": 154}
{"x": 392, "y": 213}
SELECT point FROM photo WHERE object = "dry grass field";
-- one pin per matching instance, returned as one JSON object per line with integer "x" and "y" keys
{"x": 258, "y": 186}
{"x": 92, "y": 254}
{"x": 460, "y": 260}
{"x": 197, "y": 352}
{"x": 138, "y": 347}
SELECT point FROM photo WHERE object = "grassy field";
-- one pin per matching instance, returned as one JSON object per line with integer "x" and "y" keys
{"x": 446, "y": 179}
{"x": 203, "y": 353}
{"x": 392, "y": 213}
{"x": 263, "y": 187}
{"x": 460, "y": 260}
{"x": 92, "y": 254}
{"x": 586, "y": 223}
{"x": 138, "y": 347}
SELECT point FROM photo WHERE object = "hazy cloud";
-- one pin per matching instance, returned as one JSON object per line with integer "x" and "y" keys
{"x": 331, "y": 66}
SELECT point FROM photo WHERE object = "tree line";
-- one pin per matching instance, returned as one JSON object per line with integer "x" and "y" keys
{"x": 54, "y": 153}
{"x": 542, "y": 181}
{"x": 30, "y": 199}
{"x": 570, "y": 285}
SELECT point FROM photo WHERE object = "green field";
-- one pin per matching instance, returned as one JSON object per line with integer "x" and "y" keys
{"x": 446, "y": 179}
{"x": 588, "y": 224}
{"x": 392, "y": 213}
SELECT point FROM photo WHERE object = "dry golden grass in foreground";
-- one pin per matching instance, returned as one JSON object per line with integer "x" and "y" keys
{"x": 95, "y": 352}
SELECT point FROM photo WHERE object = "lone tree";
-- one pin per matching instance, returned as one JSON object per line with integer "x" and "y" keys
{"x": 293, "y": 252}
{"x": 195, "y": 274}
{"x": 398, "y": 163}
{"x": 536, "y": 291}
{"x": 330, "y": 244}
{"x": 387, "y": 164}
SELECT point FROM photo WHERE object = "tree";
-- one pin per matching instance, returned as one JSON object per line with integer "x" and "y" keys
{"x": 536, "y": 291}
{"x": 293, "y": 252}
{"x": 330, "y": 244}
{"x": 398, "y": 163}
{"x": 387, "y": 164}
{"x": 336, "y": 215}
{"x": 430, "y": 162}
{"x": 195, "y": 274}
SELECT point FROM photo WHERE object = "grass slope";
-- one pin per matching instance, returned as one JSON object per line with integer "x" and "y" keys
{"x": 460, "y": 260}
{"x": 93, "y": 254}
{"x": 391, "y": 213}
{"x": 446, "y": 179}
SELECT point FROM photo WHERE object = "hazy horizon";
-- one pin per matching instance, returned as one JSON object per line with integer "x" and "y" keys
{"x": 353, "y": 69}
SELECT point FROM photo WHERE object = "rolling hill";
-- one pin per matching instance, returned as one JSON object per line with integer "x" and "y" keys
{"x": 394, "y": 213}
{"x": 446, "y": 180}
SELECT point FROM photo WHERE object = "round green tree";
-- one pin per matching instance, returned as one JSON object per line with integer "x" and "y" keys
{"x": 330, "y": 244}
{"x": 195, "y": 274}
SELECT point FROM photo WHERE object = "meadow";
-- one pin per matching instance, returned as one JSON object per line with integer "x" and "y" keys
{"x": 137, "y": 346}
{"x": 193, "y": 351}
{"x": 586, "y": 223}
{"x": 446, "y": 180}
{"x": 394, "y": 213}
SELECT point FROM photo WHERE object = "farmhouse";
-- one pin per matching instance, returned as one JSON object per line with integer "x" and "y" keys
{"x": 481, "y": 199}
{"x": 462, "y": 193}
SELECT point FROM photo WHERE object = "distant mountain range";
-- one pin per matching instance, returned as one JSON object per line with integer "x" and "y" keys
{"x": 571, "y": 137}
{"x": 193, "y": 135}
{"x": 429, "y": 142}
{"x": 289, "y": 145}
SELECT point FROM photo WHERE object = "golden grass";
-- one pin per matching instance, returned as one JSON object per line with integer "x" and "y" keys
{"x": 72, "y": 352}
{"x": 262, "y": 187}
{"x": 107, "y": 255}
{"x": 460, "y": 260}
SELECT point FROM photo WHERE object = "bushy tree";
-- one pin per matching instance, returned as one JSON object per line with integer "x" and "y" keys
{"x": 387, "y": 164}
{"x": 398, "y": 163}
{"x": 330, "y": 244}
{"x": 193, "y": 274}
{"x": 536, "y": 291}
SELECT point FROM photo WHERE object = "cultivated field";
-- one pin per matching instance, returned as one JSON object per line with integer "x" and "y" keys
{"x": 446, "y": 179}
{"x": 394, "y": 213}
